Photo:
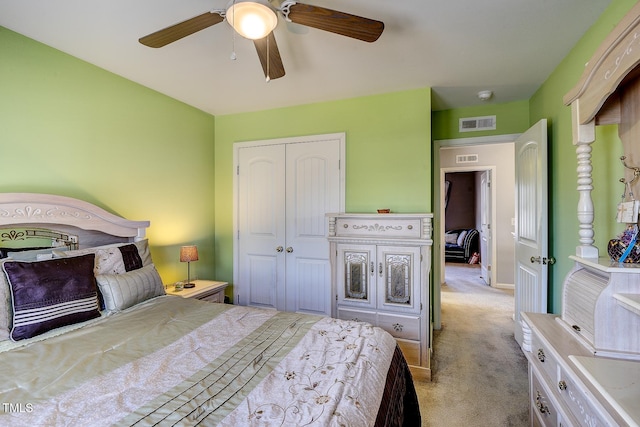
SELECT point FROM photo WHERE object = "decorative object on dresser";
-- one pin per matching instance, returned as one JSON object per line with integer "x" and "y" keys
{"x": 574, "y": 357}
{"x": 206, "y": 290}
{"x": 188, "y": 254}
{"x": 380, "y": 274}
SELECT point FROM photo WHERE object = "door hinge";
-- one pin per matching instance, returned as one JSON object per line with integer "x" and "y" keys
{"x": 238, "y": 235}
{"x": 336, "y": 297}
{"x": 238, "y": 170}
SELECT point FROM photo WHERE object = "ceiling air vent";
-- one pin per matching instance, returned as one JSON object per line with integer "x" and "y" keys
{"x": 467, "y": 158}
{"x": 473, "y": 124}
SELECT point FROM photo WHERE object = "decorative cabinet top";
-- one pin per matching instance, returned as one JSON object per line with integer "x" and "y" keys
{"x": 415, "y": 228}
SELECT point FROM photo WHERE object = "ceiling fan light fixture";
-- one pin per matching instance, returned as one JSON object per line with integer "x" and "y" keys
{"x": 251, "y": 20}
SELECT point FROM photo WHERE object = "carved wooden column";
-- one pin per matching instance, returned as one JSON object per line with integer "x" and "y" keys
{"x": 583, "y": 137}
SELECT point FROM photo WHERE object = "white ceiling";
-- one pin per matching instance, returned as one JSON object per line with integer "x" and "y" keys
{"x": 456, "y": 47}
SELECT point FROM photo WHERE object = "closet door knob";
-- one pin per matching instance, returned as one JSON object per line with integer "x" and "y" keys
{"x": 279, "y": 249}
{"x": 289, "y": 249}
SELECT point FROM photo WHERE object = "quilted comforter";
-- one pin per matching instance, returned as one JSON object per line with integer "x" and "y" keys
{"x": 175, "y": 361}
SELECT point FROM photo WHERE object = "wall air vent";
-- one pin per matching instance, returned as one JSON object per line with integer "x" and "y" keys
{"x": 467, "y": 158}
{"x": 473, "y": 124}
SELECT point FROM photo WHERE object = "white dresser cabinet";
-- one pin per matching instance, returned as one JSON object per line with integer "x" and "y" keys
{"x": 584, "y": 365}
{"x": 562, "y": 387}
{"x": 380, "y": 275}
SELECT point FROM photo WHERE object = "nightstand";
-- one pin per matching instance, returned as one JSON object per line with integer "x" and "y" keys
{"x": 206, "y": 290}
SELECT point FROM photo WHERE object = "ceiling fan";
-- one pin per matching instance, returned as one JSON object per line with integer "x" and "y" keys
{"x": 256, "y": 20}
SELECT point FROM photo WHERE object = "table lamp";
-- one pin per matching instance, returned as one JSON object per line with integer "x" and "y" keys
{"x": 188, "y": 254}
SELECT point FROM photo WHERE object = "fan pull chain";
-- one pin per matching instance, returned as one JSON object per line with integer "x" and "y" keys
{"x": 268, "y": 78}
{"x": 233, "y": 35}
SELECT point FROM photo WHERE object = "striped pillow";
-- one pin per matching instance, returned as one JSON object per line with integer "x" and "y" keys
{"x": 50, "y": 294}
{"x": 121, "y": 291}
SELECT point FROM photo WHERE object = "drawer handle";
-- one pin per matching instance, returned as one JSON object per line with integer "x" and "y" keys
{"x": 562, "y": 385}
{"x": 541, "y": 356}
{"x": 397, "y": 327}
{"x": 544, "y": 409}
{"x": 576, "y": 328}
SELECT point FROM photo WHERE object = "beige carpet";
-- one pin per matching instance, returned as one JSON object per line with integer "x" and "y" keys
{"x": 479, "y": 375}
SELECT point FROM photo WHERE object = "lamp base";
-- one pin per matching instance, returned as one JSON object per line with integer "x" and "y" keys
{"x": 189, "y": 285}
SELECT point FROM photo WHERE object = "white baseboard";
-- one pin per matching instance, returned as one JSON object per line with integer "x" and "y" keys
{"x": 504, "y": 286}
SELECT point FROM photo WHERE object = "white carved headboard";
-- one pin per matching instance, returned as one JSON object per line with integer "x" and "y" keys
{"x": 66, "y": 213}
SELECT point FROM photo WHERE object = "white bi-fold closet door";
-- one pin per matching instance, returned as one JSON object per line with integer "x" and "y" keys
{"x": 284, "y": 188}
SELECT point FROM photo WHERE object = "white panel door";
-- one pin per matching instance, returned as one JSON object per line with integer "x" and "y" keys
{"x": 313, "y": 189}
{"x": 284, "y": 192}
{"x": 485, "y": 226}
{"x": 261, "y": 226}
{"x": 532, "y": 223}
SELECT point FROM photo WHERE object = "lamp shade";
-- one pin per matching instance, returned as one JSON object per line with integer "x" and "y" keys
{"x": 251, "y": 20}
{"x": 188, "y": 253}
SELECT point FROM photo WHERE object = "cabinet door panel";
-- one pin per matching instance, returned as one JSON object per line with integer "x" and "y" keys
{"x": 398, "y": 275}
{"x": 356, "y": 269}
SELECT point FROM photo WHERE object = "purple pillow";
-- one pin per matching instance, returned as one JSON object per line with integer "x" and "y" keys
{"x": 130, "y": 257}
{"x": 50, "y": 294}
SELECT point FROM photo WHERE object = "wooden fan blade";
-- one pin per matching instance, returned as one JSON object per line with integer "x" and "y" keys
{"x": 268, "y": 48}
{"x": 342, "y": 23}
{"x": 182, "y": 29}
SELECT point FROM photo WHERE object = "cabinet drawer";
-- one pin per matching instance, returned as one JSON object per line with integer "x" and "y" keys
{"x": 406, "y": 327}
{"x": 544, "y": 359}
{"x": 357, "y": 315}
{"x": 410, "y": 350}
{"x": 215, "y": 297}
{"x": 543, "y": 409}
{"x": 575, "y": 399}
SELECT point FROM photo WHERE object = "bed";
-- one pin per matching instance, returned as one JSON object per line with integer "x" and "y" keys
{"x": 89, "y": 337}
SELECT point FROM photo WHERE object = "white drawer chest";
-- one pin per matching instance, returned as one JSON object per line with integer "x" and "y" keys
{"x": 567, "y": 388}
{"x": 380, "y": 274}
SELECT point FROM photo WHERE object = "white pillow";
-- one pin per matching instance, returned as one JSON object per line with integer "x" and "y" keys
{"x": 451, "y": 238}
{"x": 461, "y": 237}
{"x": 109, "y": 261}
{"x": 121, "y": 291}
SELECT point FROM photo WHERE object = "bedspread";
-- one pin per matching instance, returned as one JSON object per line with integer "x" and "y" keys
{"x": 175, "y": 361}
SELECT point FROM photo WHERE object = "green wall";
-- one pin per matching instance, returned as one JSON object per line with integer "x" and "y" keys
{"x": 547, "y": 103}
{"x": 70, "y": 128}
{"x": 511, "y": 117}
{"x": 388, "y": 150}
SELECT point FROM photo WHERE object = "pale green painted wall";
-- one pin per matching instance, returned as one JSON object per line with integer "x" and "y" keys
{"x": 511, "y": 117}
{"x": 67, "y": 127}
{"x": 388, "y": 145}
{"x": 70, "y": 128}
{"x": 547, "y": 103}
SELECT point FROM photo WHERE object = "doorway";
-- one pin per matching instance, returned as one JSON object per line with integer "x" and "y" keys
{"x": 469, "y": 218}
{"x": 495, "y": 153}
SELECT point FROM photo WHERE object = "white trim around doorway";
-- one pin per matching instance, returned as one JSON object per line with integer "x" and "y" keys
{"x": 438, "y": 209}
